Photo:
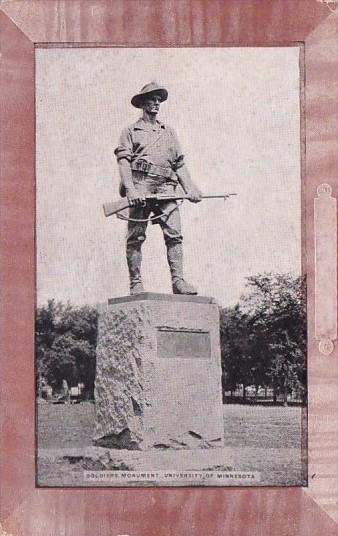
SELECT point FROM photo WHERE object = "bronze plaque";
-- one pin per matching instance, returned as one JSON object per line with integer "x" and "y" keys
{"x": 183, "y": 343}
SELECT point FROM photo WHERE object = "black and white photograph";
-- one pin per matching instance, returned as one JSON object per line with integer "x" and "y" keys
{"x": 170, "y": 333}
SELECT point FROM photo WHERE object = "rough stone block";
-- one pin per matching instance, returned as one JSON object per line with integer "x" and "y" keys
{"x": 158, "y": 378}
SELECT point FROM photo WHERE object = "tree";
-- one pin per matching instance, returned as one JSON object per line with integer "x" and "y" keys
{"x": 263, "y": 338}
{"x": 66, "y": 344}
{"x": 235, "y": 349}
{"x": 276, "y": 305}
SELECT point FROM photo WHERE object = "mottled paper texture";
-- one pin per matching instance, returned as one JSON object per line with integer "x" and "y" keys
{"x": 27, "y": 510}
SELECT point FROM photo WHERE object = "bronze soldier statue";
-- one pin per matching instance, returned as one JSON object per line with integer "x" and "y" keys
{"x": 151, "y": 162}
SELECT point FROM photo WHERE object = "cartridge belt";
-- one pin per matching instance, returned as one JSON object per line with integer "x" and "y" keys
{"x": 151, "y": 169}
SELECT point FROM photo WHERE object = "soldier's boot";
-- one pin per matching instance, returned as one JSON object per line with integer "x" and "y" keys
{"x": 175, "y": 260}
{"x": 134, "y": 261}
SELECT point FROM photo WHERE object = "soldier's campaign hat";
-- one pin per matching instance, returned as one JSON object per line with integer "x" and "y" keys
{"x": 148, "y": 89}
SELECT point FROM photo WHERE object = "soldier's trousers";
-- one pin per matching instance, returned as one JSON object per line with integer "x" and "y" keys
{"x": 170, "y": 222}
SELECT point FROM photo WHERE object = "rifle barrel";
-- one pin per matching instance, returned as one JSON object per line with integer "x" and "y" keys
{"x": 185, "y": 196}
{"x": 216, "y": 196}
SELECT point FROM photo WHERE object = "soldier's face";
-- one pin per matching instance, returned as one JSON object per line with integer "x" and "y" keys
{"x": 151, "y": 105}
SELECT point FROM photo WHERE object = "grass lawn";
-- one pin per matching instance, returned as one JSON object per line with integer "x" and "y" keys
{"x": 65, "y": 425}
{"x": 264, "y": 439}
{"x": 61, "y": 425}
{"x": 263, "y": 427}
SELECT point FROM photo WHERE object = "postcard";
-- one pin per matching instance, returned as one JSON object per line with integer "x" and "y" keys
{"x": 169, "y": 216}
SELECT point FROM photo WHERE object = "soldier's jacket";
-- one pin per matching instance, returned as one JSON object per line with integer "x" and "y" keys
{"x": 150, "y": 157}
{"x": 156, "y": 144}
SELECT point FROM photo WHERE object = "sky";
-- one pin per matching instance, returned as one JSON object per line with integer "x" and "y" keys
{"x": 236, "y": 114}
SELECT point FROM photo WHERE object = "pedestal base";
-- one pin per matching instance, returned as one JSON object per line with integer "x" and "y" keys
{"x": 158, "y": 379}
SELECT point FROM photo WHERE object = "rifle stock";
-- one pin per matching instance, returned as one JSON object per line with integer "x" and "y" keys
{"x": 113, "y": 207}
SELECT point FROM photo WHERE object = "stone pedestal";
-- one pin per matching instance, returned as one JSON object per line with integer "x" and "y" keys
{"x": 158, "y": 377}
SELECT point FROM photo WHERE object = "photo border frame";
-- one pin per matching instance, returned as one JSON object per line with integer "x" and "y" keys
{"x": 27, "y": 24}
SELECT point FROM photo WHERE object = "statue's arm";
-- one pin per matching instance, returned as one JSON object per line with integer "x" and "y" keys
{"x": 124, "y": 153}
{"x": 182, "y": 172}
{"x": 134, "y": 197}
{"x": 194, "y": 194}
{"x": 126, "y": 175}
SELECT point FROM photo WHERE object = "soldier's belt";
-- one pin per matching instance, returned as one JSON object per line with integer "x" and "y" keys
{"x": 151, "y": 169}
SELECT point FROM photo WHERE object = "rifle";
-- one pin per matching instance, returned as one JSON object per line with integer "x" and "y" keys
{"x": 113, "y": 207}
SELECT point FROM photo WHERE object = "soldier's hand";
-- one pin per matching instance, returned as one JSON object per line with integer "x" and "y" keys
{"x": 135, "y": 198}
{"x": 194, "y": 195}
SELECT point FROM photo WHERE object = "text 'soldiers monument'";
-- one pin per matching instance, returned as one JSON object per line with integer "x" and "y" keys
{"x": 158, "y": 377}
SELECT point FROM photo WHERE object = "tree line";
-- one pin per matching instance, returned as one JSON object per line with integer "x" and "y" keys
{"x": 263, "y": 340}
{"x": 263, "y": 337}
{"x": 65, "y": 343}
